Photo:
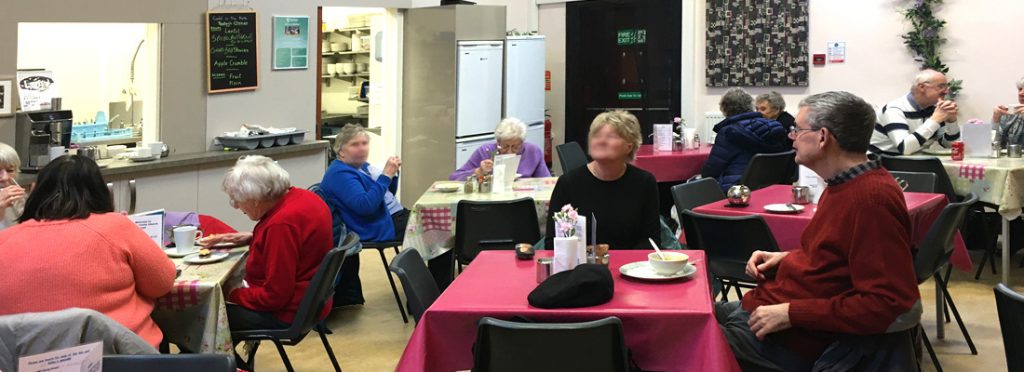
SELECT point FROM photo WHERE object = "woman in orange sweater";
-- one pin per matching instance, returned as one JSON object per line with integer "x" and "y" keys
{"x": 71, "y": 250}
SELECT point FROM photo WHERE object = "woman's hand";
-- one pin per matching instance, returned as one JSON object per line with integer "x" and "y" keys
{"x": 239, "y": 238}
{"x": 392, "y": 166}
{"x": 762, "y": 264}
{"x": 11, "y": 194}
{"x": 485, "y": 168}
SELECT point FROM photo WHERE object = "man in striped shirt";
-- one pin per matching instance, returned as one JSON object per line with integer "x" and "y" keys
{"x": 917, "y": 120}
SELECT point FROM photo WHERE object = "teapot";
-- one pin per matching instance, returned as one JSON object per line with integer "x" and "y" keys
{"x": 738, "y": 195}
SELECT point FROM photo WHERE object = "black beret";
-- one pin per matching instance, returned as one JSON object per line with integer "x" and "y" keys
{"x": 586, "y": 285}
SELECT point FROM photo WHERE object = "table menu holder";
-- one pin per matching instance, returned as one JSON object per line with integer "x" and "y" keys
{"x": 663, "y": 137}
{"x": 977, "y": 140}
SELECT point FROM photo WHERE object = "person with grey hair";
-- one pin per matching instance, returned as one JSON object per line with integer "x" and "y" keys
{"x": 12, "y": 195}
{"x": 743, "y": 134}
{"x": 291, "y": 238}
{"x": 773, "y": 106}
{"x": 918, "y": 120}
{"x": 853, "y": 276}
{"x": 1010, "y": 119}
{"x": 510, "y": 138}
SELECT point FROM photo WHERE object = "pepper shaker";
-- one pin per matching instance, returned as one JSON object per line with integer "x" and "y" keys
{"x": 470, "y": 186}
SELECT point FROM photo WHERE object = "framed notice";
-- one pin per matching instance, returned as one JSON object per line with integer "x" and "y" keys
{"x": 291, "y": 42}
{"x": 6, "y": 97}
{"x": 232, "y": 51}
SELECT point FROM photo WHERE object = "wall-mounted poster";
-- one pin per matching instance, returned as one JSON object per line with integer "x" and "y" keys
{"x": 6, "y": 97}
{"x": 35, "y": 89}
{"x": 757, "y": 43}
{"x": 291, "y": 42}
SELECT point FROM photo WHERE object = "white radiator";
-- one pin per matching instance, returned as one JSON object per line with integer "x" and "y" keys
{"x": 707, "y": 133}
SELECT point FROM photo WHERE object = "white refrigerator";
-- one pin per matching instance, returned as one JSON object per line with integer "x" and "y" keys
{"x": 478, "y": 95}
{"x": 524, "y": 84}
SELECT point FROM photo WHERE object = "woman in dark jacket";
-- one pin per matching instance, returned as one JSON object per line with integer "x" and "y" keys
{"x": 743, "y": 134}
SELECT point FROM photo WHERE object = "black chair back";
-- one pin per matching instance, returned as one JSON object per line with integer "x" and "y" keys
{"x": 937, "y": 246}
{"x": 1010, "y": 306}
{"x": 729, "y": 241}
{"x": 420, "y": 288}
{"x": 770, "y": 169}
{"x": 168, "y": 363}
{"x": 915, "y": 181}
{"x": 923, "y": 164}
{"x": 490, "y": 225}
{"x": 693, "y": 194}
{"x": 509, "y": 346}
{"x": 321, "y": 287}
{"x": 571, "y": 156}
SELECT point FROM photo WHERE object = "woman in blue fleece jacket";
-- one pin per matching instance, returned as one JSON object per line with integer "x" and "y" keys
{"x": 743, "y": 134}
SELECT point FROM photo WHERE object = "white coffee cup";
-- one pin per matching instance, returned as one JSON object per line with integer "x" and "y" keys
{"x": 56, "y": 152}
{"x": 331, "y": 69}
{"x": 185, "y": 238}
{"x": 143, "y": 152}
{"x": 156, "y": 148}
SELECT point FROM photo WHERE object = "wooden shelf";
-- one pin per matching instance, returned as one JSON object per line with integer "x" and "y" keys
{"x": 349, "y": 53}
{"x": 346, "y": 31}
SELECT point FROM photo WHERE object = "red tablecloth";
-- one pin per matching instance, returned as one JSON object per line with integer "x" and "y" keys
{"x": 668, "y": 326}
{"x": 924, "y": 209}
{"x": 671, "y": 166}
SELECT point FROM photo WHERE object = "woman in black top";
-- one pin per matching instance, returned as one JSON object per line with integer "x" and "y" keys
{"x": 623, "y": 198}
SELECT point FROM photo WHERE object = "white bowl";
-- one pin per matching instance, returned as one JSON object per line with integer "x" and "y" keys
{"x": 674, "y": 262}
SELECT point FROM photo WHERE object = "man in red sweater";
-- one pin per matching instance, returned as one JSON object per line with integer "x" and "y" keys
{"x": 854, "y": 274}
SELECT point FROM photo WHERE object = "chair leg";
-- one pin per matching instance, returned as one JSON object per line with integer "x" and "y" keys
{"x": 739, "y": 295}
{"x": 945, "y": 309}
{"x": 250, "y": 364}
{"x": 284, "y": 356}
{"x": 956, "y": 314}
{"x": 725, "y": 291}
{"x": 981, "y": 266}
{"x": 931, "y": 352}
{"x": 394, "y": 289}
{"x": 327, "y": 346}
{"x": 396, "y": 250}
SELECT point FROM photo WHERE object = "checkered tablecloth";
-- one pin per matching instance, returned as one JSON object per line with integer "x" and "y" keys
{"x": 995, "y": 181}
{"x": 193, "y": 315}
{"x": 431, "y": 227}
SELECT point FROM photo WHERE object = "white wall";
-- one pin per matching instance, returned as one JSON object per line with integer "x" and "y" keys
{"x": 91, "y": 63}
{"x": 879, "y": 67}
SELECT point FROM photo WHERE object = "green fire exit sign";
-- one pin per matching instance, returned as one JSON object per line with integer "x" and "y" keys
{"x": 630, "y": 96}
{"x": 631, "y": 36}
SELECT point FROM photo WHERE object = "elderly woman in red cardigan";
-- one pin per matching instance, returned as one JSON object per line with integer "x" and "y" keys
{"x": 291, "y": 238}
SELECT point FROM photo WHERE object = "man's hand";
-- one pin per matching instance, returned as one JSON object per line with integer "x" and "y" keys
{"x": 762, "y": 264}
{"x": 769, "y": 319}
{"x": 944, "y": 111}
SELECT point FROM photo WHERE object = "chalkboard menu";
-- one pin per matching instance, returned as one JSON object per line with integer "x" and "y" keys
{"x": 232, "y": 54}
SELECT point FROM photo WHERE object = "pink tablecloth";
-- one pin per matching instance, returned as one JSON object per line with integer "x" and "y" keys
{"x": 671, "y": 166}
{"x": 924, "y": 209}
{"x": 668, "y": 326}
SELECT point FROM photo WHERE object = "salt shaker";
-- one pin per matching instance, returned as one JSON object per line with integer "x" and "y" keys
{"x": 470, "y": 186}
{"x": 696, "y": 141}
{"x": 996, "y": 149}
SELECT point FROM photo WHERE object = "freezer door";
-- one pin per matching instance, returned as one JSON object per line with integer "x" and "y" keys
{"x": 479, "y": 95}
{"x": 524, "y": 79}
{"x": 464, "y": 148}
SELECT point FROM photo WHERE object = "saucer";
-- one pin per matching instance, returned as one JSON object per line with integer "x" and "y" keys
{"x": 173, "y": 252}
{"x": 642, "y": 270}
{"x": 784, "y": 208}
{"x": 213, "y": 257}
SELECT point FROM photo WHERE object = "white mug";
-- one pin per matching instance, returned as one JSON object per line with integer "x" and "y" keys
{"x": 56, "y": 152}
{"x": 143, "y": 152}
{"x": 185, "y": 238}
{"x": 156, "y": 148}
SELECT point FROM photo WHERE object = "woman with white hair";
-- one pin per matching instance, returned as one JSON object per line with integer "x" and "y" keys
{"x": 1011, "y": 119}
{"x": 12, "y": 195}
{"x": 772, "y": 106}
{"x": 291, "y": 238}
{"x": 743, "y": 134}
{"x": 510, "y": 138}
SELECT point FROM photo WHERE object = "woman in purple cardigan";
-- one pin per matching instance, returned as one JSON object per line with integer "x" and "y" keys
{"x": 510, "y": 136}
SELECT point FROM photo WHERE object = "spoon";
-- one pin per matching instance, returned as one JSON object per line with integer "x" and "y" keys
{"x": 662, "y": 257}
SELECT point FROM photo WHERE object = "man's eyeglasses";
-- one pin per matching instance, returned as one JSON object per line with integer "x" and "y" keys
{"x": 794, "y": 131}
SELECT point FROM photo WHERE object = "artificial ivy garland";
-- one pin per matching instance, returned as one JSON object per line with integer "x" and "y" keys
{"x": 924, "y": 38}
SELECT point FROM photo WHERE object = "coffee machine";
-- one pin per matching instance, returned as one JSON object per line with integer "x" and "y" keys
{"x": 36, "y": 132}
